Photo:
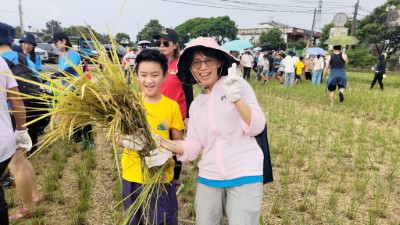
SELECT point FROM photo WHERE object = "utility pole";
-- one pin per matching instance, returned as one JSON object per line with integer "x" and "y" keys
{"x": 21, "y": 20}
{"x": 312, "y": 29}
{"x": 353, "y": 26}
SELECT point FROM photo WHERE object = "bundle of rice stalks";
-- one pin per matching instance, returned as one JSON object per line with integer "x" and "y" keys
{"x": 105, "y": 101}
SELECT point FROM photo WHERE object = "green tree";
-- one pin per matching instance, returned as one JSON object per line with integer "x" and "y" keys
{"x": 222, "y": 29}
{"x": 299, "y": 44}
{"x": 83, "y": 31}
{"x": 325, "y": 31}
{"x": 123, "y": 38}
{"x": 150, "y": 29}
{"x": 273, "y": 36}
{"x": 373, "y": 29}
{"x": 52, "y": 27}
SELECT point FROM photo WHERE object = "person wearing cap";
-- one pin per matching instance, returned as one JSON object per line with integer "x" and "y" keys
{"x": 336, "y": 63}
{"x": 68, "y": 60}
{"x": 224, "y": 120}
{"x": 173, "y": 88}
{"x": 14, "y": 145}
{"x": 28, "y": 44}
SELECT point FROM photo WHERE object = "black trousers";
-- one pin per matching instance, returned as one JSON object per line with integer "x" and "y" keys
{"x": 246, "y": 72}
{"x": 378, "y": 77}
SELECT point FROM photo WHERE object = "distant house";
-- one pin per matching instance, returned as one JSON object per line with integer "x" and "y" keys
{"x": 289, "y": 34}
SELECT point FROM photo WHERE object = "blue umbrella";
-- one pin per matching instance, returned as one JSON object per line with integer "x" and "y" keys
{"x": 315, "y": 51}
{"x": 237, "y": 45}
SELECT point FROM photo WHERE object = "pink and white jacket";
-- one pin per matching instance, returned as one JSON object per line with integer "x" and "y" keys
{"x": 229, "y": 149}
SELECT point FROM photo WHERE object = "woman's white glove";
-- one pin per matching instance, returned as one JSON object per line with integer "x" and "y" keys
{"x": 23, "y": 140}
{"x": 133, "y": 142}
{"x": 384, "y": 76}
{"x": 232, "y": 85}
{"x": 158, "y": 157}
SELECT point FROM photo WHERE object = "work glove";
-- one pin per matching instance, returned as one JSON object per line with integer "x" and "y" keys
{"x": 23, "y": 140}
{"x": 384, "y": 76}
{"x": 133, "y": 142}
{"x": 232, "y": 85}
{"x": 158, "y": 157}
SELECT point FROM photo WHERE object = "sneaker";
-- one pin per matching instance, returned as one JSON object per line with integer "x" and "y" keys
{"x": 179, "y": 188}
{"x": 341, "y": 97}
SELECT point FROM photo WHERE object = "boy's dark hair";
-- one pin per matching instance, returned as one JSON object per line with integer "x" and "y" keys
{"x": 337, "y": 47}
{"x": 151, "y": 55}
{"x": 265, "y": 56}
{"x": 301, "y": 58}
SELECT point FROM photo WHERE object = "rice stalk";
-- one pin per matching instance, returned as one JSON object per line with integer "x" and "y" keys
{"x": 105, "y": 101}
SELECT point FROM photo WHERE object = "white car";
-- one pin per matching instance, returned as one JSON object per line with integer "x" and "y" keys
{"x": 44, "y": 56}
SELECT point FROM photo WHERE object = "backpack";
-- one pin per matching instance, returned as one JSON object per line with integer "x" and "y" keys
{"x": 262, "y": 141}
{"x": 311, "y": 66}
{"x": 22, "y": 70}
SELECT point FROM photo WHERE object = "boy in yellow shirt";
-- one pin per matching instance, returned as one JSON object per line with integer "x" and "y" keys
{"x": 299, "y": 69}
{"x": 164, "y": 117}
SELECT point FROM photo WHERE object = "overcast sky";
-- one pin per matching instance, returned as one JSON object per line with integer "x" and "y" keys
{"x": 129, "y": 16}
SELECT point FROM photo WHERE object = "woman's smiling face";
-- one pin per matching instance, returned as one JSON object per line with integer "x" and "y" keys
{"x": 205, "y": 69}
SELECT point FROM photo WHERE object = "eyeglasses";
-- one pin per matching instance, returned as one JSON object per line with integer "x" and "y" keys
{"x": 209, "y": 62}
{"x": 164, "y": 43}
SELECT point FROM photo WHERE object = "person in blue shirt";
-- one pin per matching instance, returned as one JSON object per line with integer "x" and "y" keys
{"x": 28, "y": 45}
{"x": 70, "y": 58}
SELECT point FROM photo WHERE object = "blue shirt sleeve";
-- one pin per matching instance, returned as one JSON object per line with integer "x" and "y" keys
{"x": 33, "y": 67}
{"x": 38, "y": 63}
{"x": 73, "y": 57}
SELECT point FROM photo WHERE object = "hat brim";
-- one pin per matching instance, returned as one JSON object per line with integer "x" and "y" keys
{"x": 185, "y": 75}
{"x": 158, "y": 36}
{"x": 22, "y": 40}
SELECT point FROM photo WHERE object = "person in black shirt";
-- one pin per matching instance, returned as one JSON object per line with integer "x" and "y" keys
{"x": 380, "y": 71}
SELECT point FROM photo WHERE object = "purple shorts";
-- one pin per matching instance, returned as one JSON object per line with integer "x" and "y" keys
{"x": 163, "y": 205}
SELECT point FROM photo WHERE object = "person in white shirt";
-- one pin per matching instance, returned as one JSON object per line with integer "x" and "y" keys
{"x": 247, "y": 61}
{"x": 289, "y": 65}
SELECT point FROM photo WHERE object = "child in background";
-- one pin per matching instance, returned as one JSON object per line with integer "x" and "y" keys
{"x": 265, "y": 69}
{"x": 164, "y": 117}
{"x": 299, "y": 69}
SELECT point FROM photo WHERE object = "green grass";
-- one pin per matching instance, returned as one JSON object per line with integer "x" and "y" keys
{"x": 332, "y": 164}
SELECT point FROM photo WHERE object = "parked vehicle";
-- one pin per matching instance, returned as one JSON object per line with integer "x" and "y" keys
{"x": 52, "y": 51}
{"x": 121, "y": 51}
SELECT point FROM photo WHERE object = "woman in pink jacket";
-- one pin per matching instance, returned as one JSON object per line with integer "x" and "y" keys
{"x": 224, "y": 119}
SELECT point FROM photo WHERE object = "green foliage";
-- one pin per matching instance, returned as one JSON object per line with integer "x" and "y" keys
{"x": 361, "y": 58}
{"x": 325, "y": 35}
{"x": 373, "y": 29}
{"x": 122, "y": 38}
{"x": 299, "y": 44}
{"x": 52, "y": 27}
{"x": 220, "y": 28}
{"x": 150, "y": 29}
{"x": 273, "y": 36}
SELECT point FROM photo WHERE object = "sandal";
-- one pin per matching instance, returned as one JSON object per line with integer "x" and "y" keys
{"x": 23, "y": 213}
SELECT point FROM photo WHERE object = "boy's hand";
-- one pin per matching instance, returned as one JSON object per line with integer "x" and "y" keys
{"x": 133, "y": 142}
{"x": 158, "y": 157}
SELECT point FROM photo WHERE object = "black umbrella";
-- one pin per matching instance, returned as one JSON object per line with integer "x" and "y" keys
{"x": 266, "y": 44}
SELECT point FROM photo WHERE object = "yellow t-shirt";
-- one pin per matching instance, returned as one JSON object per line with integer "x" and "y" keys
{"x": 161, "y": 116}
{"x": 299, "y": 67}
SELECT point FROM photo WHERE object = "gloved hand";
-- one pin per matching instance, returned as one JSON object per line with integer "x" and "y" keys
{"x": 158, "y": 157}
{"x": 133, "y": 142}
{"x": 373, "y": 68}
{"x": 232, "y": 86}
{"x": 384, "y": 76}
{"x": 23, "y": 140}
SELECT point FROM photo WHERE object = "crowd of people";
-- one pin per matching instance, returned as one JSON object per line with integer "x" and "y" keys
{"x": 221, "y": 123}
